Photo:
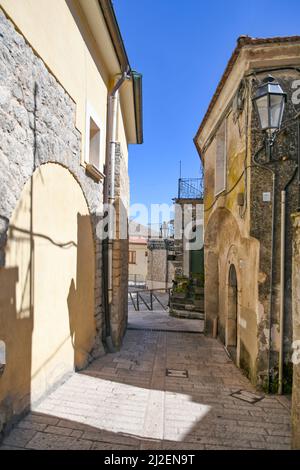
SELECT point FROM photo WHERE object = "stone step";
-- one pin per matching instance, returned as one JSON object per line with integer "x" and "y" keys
{"x": 186, "y": 304}
{"x": 186, "y": 314}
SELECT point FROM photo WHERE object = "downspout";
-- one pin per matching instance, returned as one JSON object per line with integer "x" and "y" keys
{"x": 282, "y": 281}
{"x": 272, "y": 256}
{"x": 282, "y": 297}
{"x": 109, "y": 199}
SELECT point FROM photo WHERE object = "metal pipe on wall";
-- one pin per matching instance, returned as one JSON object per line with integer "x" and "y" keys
{"x": 260, "y": 165}
{"x": 282, "y": 280}
{"x": 109, "y": 198}
{"x": 282, "y": 285}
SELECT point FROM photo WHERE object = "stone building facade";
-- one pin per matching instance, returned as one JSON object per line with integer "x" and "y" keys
{"x": 160, "y": 267}
{"x": 53, "y": 155}
{"x": 242, "y": 189}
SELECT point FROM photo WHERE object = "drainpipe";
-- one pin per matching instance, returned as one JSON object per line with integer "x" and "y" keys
{"x": 282, "y": 282}
{"x": 109, "y": 198}
{"x": 282, "y": 297}
{"x": 260, "y": 165}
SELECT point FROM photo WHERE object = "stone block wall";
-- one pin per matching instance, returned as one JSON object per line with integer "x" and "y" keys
{"x": 160, "y": 270}
{"x": 119, "y": 311}
{"x": 37, "y": 126}
{"x": 284, "y": 161}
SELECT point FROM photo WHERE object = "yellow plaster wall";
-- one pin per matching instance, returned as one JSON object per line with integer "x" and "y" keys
{"x": 229, "y": 239}
{"x": 236, "y": 154}
{"x": 47, "y": 287}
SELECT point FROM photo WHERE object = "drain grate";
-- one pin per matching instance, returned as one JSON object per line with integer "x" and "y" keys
{"x": 249, "y": 397}
{"x": 182, "y": 374}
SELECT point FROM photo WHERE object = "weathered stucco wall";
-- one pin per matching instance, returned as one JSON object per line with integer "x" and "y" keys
{"x": 252, "y": 246}
{"x": 37, "y": 126}
{"x": 227, "y": 243}
{"x": 296, "y": 334}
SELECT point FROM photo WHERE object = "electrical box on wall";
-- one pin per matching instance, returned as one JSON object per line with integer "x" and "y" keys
{"x": 267, "y": 197}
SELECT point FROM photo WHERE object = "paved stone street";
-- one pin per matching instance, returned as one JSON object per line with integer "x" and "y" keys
{"x": 126, "y": 401}
{"x": 160, "y": 320}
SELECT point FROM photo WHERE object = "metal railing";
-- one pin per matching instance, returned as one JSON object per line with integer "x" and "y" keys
{"x": 136, "y": 280}
{"x": 190, "y": 188}
{"x": 148, "y": 297}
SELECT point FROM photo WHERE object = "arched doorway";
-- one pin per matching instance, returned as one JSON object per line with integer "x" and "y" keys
{"x": 232, "y": 314}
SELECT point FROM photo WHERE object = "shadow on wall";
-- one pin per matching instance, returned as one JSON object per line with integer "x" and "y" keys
{"x": 47, "y": 323}
{"x": 15, "y": 332}
{"x": 42, "y": 342}
{"x": 81, "y": 315}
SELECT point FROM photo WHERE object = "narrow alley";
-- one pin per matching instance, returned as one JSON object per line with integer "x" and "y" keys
{"x": 126, "y": 400}
{"x": 149, "y": 229}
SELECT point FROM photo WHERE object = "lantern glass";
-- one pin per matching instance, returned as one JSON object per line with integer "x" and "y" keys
{"x": 276, "y": 110}
{"x": 270, "y": 101}
{"x": 263, "y": 111}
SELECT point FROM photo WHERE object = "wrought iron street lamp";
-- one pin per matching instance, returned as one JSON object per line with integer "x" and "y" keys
{"x": 269, "y": 102}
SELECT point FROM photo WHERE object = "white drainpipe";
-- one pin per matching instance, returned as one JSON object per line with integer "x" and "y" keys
{"x": 109, "y": 197}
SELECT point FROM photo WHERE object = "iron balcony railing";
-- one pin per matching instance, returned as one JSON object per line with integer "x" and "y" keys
{"x": 190, "y": 188}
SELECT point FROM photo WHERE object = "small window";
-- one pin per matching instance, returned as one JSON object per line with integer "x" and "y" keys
{"x": 92, "y": 138}
{"x": 220, "y": 164}
{"x": 94, "y": 150}
{"x": 2, "y": 357}
{"x": 132, "y": 257}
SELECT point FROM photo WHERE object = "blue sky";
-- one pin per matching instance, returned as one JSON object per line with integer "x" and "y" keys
{"x": 182, "y": 47}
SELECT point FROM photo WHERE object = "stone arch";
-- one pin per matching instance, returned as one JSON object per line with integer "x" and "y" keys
{"x": 216, "y": 248}
{"x": 48, "y": 280}
{"x": 39, "y": 130}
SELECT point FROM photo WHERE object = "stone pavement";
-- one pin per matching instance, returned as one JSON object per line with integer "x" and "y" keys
{"x": 161, "y": 320}
{"x": 125, "y": 401}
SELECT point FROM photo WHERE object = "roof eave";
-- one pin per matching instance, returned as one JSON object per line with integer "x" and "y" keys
{"x": 241, "y": 42}
{"x": 115, "y": 34}
{"x": 138, "y": 105}
{"x": 119, "y": 47}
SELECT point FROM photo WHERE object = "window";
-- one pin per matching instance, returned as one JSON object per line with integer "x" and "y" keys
{"x": 93, "y": 139}
{"x": 132, "y": 257}
{"x": 220, "y": 164}
{"x": 94, "y": 150}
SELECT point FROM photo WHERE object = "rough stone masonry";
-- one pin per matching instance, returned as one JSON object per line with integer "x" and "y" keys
{"x": 36, "y": 127}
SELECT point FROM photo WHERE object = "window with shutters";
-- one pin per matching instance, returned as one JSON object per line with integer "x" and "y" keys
{"x": 132, "y": 257}
{"x": 220, "y": 165}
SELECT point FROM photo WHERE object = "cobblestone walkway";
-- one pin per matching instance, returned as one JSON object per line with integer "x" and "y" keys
{"x": 126, "y": 401}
